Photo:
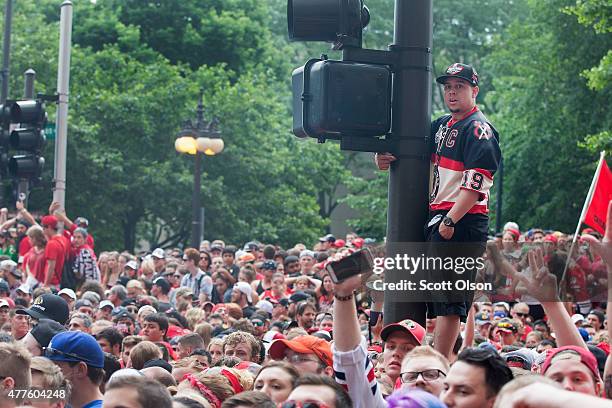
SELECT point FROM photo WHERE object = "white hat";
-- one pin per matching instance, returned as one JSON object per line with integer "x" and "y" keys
{"x": 146, "y": 308}
{"x": 511, "y": 225}
{"x": 577, "y": 318}
{"x": 306, "y": 252}
{"x": 132, "y": 265}
{"x": 24, "y": 288}
{"x": 4, "y": 303}
{"x": 265, "y": 306}
{"x": 159, "y": 253}
{"x": 106, "y": 303}
{"x": 246, "y": 289}
{"x": 69, "y": 292}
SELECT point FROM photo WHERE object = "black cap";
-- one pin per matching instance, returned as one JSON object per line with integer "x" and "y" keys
{"x": 299, "y": 296}
{"x": 124, "y": 314}
{"x": 158, "y": 362}
{"x": 44, "y": 331}
{"x": 458, "y": 70}
{"x": 48, "y": 306}
{"x": 269, "y": 265}
{"x": 4, "y": 286}
{"x": 163, "y": 284}
{"x": 291, "y": 258}
{"x": 328, "y": 238}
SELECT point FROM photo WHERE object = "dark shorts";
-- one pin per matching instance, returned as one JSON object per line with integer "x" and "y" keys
{"x": 472, "y": 228}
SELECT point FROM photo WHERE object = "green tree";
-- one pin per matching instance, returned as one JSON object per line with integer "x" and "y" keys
{"x": 544, "y": 111}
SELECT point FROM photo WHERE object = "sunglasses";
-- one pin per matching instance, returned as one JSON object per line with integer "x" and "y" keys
{"x": 299, "y": 404}
{"x": 522, "y": 314}
{"x": 257, "y": 323}
{"x": 50, "y": 353}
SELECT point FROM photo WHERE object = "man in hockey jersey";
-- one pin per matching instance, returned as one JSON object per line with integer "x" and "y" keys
{"x": 465, "y": 154}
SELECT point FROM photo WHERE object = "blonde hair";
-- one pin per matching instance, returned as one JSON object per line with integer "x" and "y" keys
{"x": 427, "y": 351}
{"x": 194, "y": 316}
{"x": 143, "y": 352}
{"x": 52, "y": 376}
{"x": 16, "y": 362}
{"x": 217, "y": 384}
{"x": 37, "y": 236}
{"x": 521, "y": 382}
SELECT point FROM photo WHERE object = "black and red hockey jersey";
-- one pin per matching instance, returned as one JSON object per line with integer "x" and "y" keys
{"x": 464, "y": 155}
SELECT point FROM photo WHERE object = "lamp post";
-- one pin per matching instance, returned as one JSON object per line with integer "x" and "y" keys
{"x": 203, "y": 138}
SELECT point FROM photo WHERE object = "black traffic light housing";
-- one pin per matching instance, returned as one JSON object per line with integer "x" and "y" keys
{"x": 348, "y": 100}
{"x": 331, "y": 98}
{"x": 27, "y": 138}
{"x": 338, "y": 21}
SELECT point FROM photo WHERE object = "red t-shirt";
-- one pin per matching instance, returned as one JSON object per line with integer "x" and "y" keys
{"x": 24, "y": 246}
{"x": 35, "y": 262}
{"x": 56, "y": 250}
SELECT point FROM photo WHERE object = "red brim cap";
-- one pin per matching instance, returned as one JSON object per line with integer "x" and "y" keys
{"x": 407, "y": 326}
{"x": 586, "y": 357}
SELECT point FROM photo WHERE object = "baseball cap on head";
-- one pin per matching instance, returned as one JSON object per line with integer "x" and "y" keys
{"x": 302, "y": 345}
{"x": 49, "y": 221}
{"x": 48, "y": 306}
{"x": 132, "y": 265}
{"x": 415, "y": 330}
{"x": 269, "y": 265}
{"x": 459, "y": 70}
{"x": 327, "y": 238}
{"x": 246, "y": 289}
{"x": 45, "y": 330}
{"x": 576, "y": 353}
{"x": 68, "y": 292}
{"x": 158, "y": 253}
{"x": 4, "y": 303}
{"x": 75, "y": 346}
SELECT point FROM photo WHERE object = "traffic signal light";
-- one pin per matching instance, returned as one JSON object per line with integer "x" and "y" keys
{"x": 337, "y": 21}
{"x": 27, "y": 138}
{"x": 332, "y": 99}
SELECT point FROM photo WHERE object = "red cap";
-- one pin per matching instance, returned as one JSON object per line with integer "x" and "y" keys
{"x": 586, "y": 358}
{"x": 49, "y": 221}
{"x": 550, "y": 238}
{"x": 303, "y": 345}
{"x": 174, "y": 331}
{"x": 339, "y": 243}
{"x": 358, "y": 242}
{"x": 407, "y": 326}
{"x": 515, "y": 233}
{"x": 217, "y": 307}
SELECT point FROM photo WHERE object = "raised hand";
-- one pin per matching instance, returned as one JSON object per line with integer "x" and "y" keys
{"x": 541, "y": 284}
{"x": 603, "y": 248}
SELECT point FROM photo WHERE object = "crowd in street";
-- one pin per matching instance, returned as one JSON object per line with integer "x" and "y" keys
{"x": 256, "y": 325}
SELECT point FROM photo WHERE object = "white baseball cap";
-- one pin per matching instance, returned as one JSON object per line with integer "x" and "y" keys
{"x": 159, "y": 253}
{"x": 246, "y": 289}
{"x": 69, "y": 292}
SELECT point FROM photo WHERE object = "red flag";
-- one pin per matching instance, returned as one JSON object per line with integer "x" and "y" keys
{"x": 602, "y": 194}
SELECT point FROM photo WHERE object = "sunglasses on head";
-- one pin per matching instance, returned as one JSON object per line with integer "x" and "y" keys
{"x": 299, "y": 404}
{"x": 51, "y": 352}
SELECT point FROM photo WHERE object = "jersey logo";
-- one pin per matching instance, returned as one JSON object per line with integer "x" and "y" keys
{"x": 454, "y": 69}
{"x": 482, "y": 131}
{"x": 450, "y": 140}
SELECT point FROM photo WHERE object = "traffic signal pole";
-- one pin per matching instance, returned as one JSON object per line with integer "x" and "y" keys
{"x": 411, "y": 117}
{"x": 23, "y": 185}
{"x": 63, "y": 79}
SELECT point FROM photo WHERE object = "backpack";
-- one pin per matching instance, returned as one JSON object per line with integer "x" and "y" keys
{"x": 69, "y": 279}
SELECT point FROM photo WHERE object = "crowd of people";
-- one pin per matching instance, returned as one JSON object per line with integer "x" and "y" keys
{"x": 255, "y": 325}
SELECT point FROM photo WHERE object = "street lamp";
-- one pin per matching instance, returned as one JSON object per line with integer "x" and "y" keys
{"x": 203, "y": 138}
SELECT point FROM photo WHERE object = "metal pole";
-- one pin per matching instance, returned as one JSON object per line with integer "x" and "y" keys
{"x": 196, "y": 228}
{"x": 23, "y": 186}
{"x": 6, "y": 50}
{"x": 409, "y": 176}
{"x": 28, "y": 88}
{"x": 499, "y": 198}
{"x": 63, "y": 80}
